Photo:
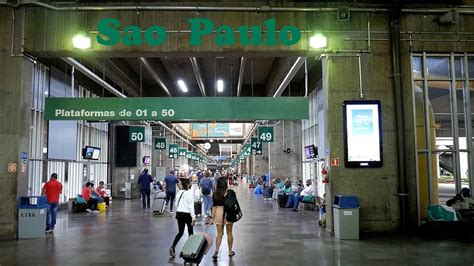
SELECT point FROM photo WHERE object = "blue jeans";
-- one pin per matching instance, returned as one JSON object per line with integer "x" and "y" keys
{"x": 145, "y": 198}
{"x": 297, "y": 201}
{"x": 207, "y": 200}
{"x": 51, "y": 213}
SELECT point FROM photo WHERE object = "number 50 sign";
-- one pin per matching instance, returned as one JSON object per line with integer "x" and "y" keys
{"x": 265, "y": 134}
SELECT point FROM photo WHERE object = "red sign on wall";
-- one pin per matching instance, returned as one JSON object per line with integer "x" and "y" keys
{"x": 335, "y": 161}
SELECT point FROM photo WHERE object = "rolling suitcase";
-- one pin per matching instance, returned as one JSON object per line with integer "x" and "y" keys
{"x": 194, "y": 249}
{"x": 198, "y": 208}
{"x": 159, "y": 203}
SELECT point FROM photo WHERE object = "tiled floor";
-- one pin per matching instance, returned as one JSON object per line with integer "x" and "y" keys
{"x": 266, "y": 235}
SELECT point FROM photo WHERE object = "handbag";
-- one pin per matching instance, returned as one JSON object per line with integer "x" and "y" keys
{"x": 232, "y": 210}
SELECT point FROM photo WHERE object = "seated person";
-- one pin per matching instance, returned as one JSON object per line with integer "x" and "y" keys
{"x": 102, "y": 193}
{"x": 463, "y": 204}
{"x": 287, "y": 187}
{"x": 309, "y": 190}
{"x": 87, "y": 195}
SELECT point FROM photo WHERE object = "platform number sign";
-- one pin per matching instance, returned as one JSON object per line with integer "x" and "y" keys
{"x": 189, "y": 154}
{"x": 136, "y": 134}
{"x": 265, "y": 134}
{"x": 160, "y": 144}
{"x": 256, "y": 146}
{"x": 173, "y": 151}
{"x": 182, "y": 152}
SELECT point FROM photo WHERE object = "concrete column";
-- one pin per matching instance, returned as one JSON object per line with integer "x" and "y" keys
{"x": 287, "y": 135}
{"x": 15, "y": 117}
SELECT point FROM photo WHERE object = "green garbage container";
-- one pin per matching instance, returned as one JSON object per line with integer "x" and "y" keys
{"x": 346, "y": 217}
{"x": 32, "y": 216}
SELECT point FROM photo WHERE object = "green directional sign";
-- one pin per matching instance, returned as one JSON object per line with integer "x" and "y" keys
{"x": 160, "y": 143}
{"x": 173, "y": 151}
{"x": 189, "y": 154}
{"x": 265, "y": 134}
{"x": 177, "y": 109}
{"x": 247, "y": 150}
{"x": 256, "y": 146}
{"x": 182, "y": 152}
{"x": 136, "y": 134}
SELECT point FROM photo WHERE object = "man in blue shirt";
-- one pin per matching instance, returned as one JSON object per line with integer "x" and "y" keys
{"x": 207, "y": 188}
{"x": 170, "y": 182}
{"x": 144, "y": 181}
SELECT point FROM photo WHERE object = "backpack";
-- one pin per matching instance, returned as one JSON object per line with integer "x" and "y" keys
{"x": 206, "y": 186}
{"x": 232, "y": 210}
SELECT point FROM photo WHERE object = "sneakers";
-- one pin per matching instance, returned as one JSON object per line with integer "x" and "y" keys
{"x": 92, "y": 211}
{"x": 89, "y": 210}
{"x": 96, "y": 211}
{"x": 48, "y": 231}
{"x": 172, "y": 253}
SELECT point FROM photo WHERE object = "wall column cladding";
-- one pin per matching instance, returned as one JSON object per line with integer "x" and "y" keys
{"x": 15, "y": 117}
{"x": 282, "y": 164}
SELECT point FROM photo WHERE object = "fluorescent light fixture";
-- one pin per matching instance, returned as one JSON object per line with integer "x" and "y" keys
{"x": 318, "y": 41}
{"x": 211, "y": 140}
{"x": 81, "y": 41}
{"x": 220, "y": 85}
{"x": 225, "y": 140}
{"x": 182, "y": 85}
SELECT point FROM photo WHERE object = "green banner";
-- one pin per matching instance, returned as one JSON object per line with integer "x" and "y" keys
{"x": 178, "y": 109}
{"x": 265, "y": 134}
{"x": 136, "y": 134}
{"x": 189, "y": 154}
{"x": 160, "y": 143}
{"x": 256, "y": 146}
{"x": 173, "y": 151}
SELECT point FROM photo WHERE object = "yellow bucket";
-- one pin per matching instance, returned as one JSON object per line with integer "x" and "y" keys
{"x": 102, "y": 207}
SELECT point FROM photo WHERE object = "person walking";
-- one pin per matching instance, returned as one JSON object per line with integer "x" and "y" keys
{"x": 185, "y": 214}
{"x": 144, "y": 181}
{"x": 218, "y": 215}
{"x": 51, "y": 190}
{"x": 206, "y": 189}
{"x": 170, "y": 183}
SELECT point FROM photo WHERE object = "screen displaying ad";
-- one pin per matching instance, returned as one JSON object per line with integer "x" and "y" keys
{"x": 217, "y": 130}
{"x": 363, "y": 144}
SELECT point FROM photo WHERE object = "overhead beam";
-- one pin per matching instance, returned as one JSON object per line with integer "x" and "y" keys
{"x": 284, "y": 69}
{"x": 196, "y": 63}
{"x": 113, "y": 72}
{"x": 154, "y": 68}
{"x": 241, "y": 75}
{"x": 84, "y": 70}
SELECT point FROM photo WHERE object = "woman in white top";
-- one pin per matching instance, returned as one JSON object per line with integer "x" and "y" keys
{"x": 184, "y": 212}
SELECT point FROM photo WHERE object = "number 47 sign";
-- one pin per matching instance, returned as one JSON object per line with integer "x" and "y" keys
{"x": 265, "y": 134}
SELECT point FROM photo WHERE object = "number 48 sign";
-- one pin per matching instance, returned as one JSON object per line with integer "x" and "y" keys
{"x": 265, "y": 134}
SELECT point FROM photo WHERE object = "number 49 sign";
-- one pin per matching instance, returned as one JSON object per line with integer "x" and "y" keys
{"x": 265, "y": 134}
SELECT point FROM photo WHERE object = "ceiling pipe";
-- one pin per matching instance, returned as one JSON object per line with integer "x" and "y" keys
{"x": 84, "y": 70}
{"x": 461, "y": 10}
{"x": 197, "y": 72}
{"x": 241, "y": 75}
{"x": 154, "y": 74}
{"x": 289, "y": 76}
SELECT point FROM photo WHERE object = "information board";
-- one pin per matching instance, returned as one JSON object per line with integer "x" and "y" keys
{"x": 265, "y": 134}
{"x": 160, "y": 143}
{"x": 137, "y": 134}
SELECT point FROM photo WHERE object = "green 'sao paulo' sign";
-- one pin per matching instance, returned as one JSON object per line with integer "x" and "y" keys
{"x": 177, "y": 109}
{"x": 112, "y": 32}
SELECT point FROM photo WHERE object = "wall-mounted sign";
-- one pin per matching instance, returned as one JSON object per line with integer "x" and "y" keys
{"x": 335, "y": 161}
{"x": 160, "y": 143}
{"x": 256, "y": 146}
{"x": 178, "y": 109}
{"x": 182, "y": 152}
{"x": 217, "y": 130}
{"x": 362, "y": 134}
{"x": 173, "y": 151}
{"x": 137, "y": 134}
{"x": 265, "y": 134}
{"x": 12, "y": 167}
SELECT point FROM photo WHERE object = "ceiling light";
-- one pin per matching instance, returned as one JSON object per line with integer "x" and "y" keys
{"x": 220, "y": 85}
{"x": 318, "y": 41}
{"x": 182, "y": 85}
{"x": 81, "y": 41}
{"x": 211, "y": 140}
{"x": 225, "y": 140}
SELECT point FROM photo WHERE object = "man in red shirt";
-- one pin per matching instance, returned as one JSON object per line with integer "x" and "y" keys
{"x": 52, "y": 189}
{"x": 101, "y": 191}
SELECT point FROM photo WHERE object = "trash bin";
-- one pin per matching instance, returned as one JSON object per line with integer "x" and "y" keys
{"x": 346, "y": 217}
{"x": 32, "y": 216}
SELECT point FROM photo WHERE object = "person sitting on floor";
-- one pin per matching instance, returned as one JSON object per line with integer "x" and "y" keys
{"x": 309, "y": 190}
{"x": 103, "y": 194}
{"x": 87, "y": 195}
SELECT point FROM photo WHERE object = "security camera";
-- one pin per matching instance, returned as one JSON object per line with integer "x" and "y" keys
{"x": 450, "y": 17}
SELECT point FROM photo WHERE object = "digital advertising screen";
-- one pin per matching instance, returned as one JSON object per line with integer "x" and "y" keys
{"x": 311, "y": 152}
{"x": 362, "y": 134}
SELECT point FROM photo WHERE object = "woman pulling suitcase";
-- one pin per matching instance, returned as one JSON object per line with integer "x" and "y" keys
{"x": 185, "y": 214}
